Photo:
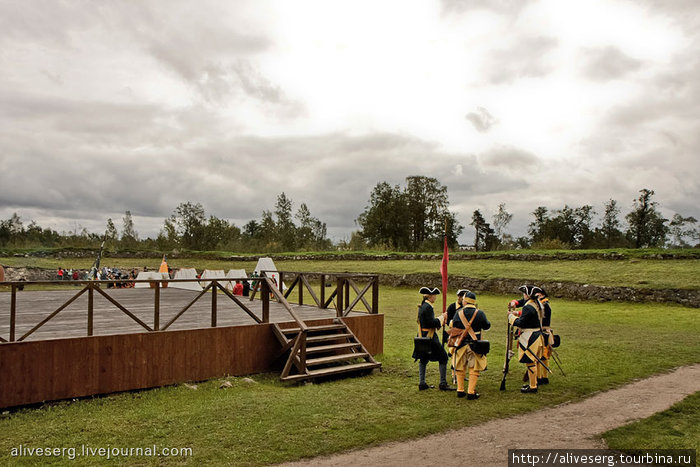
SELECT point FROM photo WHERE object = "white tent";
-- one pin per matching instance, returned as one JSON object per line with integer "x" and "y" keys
{"x": 235, "y": 274}
{"x": 211, "y": 274}
{"x": 266, "y": 264}
{"x": 149, "y": 275}
{"x": 186, "y": 273}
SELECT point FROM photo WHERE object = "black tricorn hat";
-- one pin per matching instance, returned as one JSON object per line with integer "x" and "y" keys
{"x": 462, "y": 292}
{"x": 429, "y": 291}
{"x": 529, "y": 290}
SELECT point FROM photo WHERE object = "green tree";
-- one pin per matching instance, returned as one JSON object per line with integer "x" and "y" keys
{"x": 610, "y": 226}
{"x": 129, "y": 236}
{"x": 286, "y": 230}
{"x": 384, "y": 222}
{"x": 646, "y": 224}
{"x": 189, "y": 220}
{"x": 682, "y": 228}
{"x": 311, "y": 233}
{"x": 500, "y": 221}
{"x": 111, "y": 231}
{"x": 484, "y": 237}
{"x": 428, "y": 213}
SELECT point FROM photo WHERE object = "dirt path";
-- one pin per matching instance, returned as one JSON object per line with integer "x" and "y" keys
{"x": 573, "y": 426}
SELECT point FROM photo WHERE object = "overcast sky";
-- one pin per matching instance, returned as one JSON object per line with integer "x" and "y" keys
{"x": 141, "y": 105}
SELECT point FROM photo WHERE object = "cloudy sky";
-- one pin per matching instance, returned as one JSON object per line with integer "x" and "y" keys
{"x": 141, "y": 105}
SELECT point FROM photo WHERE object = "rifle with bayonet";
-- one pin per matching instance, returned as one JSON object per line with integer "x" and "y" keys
{"x": 509, "y": 354}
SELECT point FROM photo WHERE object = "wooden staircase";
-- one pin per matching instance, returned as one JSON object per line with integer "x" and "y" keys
{"x": 320, "y": 351}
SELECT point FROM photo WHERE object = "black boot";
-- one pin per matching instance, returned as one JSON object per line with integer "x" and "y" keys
{"x": 446, "y": 387}
{"x": 541, "y": 381}
{"x": 424, "y": 386}
{"x": 528, "y": 390}
{"x": 461, "y": 394}
{"x": 471, "y": 397}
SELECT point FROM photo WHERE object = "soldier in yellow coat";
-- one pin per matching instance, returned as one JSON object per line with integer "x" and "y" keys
{"x": 466, "y": 354}
{"x": 531, "y": 341}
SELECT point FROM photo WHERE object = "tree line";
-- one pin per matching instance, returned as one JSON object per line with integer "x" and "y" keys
{"x": 415, "y": 217}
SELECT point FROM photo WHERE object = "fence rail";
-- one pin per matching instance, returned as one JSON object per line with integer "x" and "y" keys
{"x": 267, "y": 287}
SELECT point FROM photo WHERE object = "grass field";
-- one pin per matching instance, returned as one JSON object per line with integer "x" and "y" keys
{"x": 659, "y": 274}
{"x": 267, "y": 421}
{"x": 675, "y": 428}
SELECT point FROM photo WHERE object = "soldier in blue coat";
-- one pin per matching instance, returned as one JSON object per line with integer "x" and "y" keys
{"x": 429, "y": 326}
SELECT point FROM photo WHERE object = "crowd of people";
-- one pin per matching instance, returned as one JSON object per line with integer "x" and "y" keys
{"x": 463, "y": 324}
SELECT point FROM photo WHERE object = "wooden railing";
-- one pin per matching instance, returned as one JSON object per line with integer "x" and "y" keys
{"x": 340, "y": 296}
{"x": 92, "y": 287}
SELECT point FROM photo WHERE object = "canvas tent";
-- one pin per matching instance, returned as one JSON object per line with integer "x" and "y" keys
{"x": 186, "y": 273}
{"x": 149, "y": 275}
{"x": 211, "y": 274}
{"x": 235, "y": 274}
{"x": 266, "y": 264}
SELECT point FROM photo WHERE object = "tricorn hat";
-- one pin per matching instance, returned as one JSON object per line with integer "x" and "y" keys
{"x": 429, "y": 291}
{"x": 529, "y": 290}
{"x": 462, "y": 292}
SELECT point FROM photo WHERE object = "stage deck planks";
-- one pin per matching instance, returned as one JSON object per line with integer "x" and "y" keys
{"x": 34, "y": 306}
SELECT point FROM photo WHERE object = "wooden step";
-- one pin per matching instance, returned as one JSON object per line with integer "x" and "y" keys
{"x": 334, "y": 358}
{"x": 325, "y": 327}
{"x": 327, "y": 337}
{"x": 333, "y": 371}
{"x": 332, "y": 347}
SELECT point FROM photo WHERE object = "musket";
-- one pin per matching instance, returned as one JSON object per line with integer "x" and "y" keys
{"x": 555, "y": 357}
{"x": 539, "y": 360}
{"x": 509, "y": 355}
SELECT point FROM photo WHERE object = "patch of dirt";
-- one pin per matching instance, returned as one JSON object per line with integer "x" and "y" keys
{"x": 571, "y": 426}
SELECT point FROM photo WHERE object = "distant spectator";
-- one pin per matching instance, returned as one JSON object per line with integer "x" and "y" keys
{"x": 59, "y": 274}
{"x": 238, "y": 288}
{"x": 246, "y": 288}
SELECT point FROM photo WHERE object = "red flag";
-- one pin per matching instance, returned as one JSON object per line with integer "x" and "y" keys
{"x": 443, "y": 273}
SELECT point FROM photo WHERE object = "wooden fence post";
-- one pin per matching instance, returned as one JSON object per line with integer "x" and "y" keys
{"x": 375, "y": 295}
{"x": 323, "y": 291}
{"x": 339, "y": 297}
{"x": 300, "y": 286}
{"x": 13, "y": 312}
{"x": 156, "y": 308}
{"x": 265, "y": 296}
{"x": 91, "y": 293}
{"x": 214, "y": 286}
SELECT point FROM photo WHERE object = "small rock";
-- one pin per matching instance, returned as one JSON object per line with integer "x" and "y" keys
{"x": 225, "y": 384}
{"x": 191, "y": 386}
{"x": 249, "y": 381}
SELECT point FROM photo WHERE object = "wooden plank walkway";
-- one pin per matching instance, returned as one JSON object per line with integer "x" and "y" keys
{"x": 34, "y": 306}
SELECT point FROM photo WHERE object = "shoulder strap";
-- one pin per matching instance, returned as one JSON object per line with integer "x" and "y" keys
{"x": 467, "y": 326}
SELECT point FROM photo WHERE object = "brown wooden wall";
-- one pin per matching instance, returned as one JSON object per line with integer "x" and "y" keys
{"x": 37, "y": 371}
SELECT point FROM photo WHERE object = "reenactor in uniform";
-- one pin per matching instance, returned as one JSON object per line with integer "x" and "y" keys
{"x": 531, "y": 341}
{"x": 429, "y": 327}
{"x": 543, "y": 298}
{"x": 466, "y": 351}
{"x": 451, "y": 310}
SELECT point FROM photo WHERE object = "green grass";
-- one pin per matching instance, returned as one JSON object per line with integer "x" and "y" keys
{"x": 675, "y": 428}
{"x": 656, "y": 274}
{"x": 268, "y": 422}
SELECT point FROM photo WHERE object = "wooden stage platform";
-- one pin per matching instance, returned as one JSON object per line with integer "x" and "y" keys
{"x": 34, "y": 306}
{"x": 135, "y": 338}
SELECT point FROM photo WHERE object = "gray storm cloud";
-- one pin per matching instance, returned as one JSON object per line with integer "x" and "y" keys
{"x": 111, "y": 107}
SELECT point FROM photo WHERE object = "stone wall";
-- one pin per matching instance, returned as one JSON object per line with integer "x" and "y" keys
{"x": 555, "y": 289}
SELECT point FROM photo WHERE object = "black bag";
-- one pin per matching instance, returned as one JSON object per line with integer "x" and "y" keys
{"x": 422, "y": 347}
{"x": 481, "y": 347}
{"x": 557, "y": 341}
